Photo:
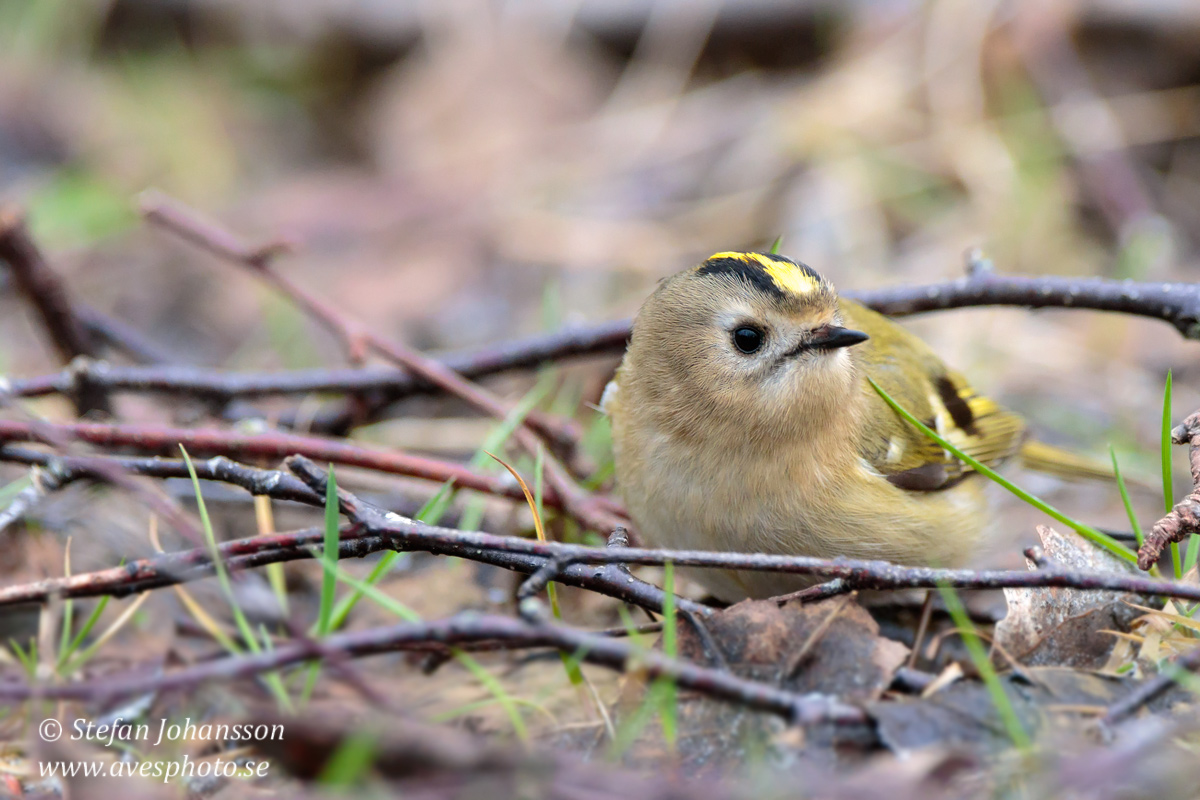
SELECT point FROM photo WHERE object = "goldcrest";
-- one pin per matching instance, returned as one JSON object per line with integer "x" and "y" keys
{"x": 743, "y": 421}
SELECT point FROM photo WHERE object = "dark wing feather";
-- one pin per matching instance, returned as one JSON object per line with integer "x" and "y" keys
{"x": 919, "y": 381}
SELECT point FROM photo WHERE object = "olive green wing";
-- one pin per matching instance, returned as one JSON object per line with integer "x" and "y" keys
{"x": 921, "y": 383}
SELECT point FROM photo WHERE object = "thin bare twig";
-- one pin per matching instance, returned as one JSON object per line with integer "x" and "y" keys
{"x": 68, "y": 468}
{"x": 1176, "y": 303}
{"x": 1184, "y": 519}
{"x": 376, "y": 530}
{"x": 238, "y": 555}
{"x": 605, "y": 651}
{"x": 576, "y": 565}
{"x": 142, "y": 575}
{"x": 273, "y": 445}
{"x": 108, "y": 471}
{"x": 216, "y": 384}
{"x": 561, "y": 435}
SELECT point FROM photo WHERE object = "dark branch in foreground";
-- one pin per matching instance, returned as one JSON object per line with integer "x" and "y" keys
{"x": 1184, "y": 519}
{"x": 592, "y": 648}
{"x": 381, "y": 530}
{"x": 377, "y": 530}
{"x": 179, "y": 567}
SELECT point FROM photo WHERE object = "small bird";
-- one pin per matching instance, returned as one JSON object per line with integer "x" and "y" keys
{"x": 743, "y": 420}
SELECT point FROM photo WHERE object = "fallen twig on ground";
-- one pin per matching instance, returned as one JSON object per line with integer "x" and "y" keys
{"x": 562, "y": 435}
{"x": 603, "y": 650}
{"x": 270, "y": 444}
{"x": 576, "y": 565}
{"x": 1184, "y": 519}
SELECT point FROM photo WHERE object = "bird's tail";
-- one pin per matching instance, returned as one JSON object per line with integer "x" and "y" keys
{"x": 1041, "y": 457}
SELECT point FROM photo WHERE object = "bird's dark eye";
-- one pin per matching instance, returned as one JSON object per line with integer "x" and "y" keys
{"x": 748, "y": 339}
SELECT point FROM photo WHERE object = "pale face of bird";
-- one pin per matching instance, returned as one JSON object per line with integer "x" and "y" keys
{"x": 709, "y": 352}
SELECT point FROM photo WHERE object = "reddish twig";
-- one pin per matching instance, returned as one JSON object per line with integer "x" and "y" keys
{"x": 1184, "y": 519}
{"x": 58, "y": 437}
{"x": 575, "y": 500}
{"x": 191, "y": 227}
{"x": 357, "y": 339}
{"x": 270, "y": 445}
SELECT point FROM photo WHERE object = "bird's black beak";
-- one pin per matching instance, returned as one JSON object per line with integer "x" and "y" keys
{"x": 833, "y": 337}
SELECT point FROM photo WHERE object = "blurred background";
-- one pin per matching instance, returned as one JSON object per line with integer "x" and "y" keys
{"x": 458, "y": 171}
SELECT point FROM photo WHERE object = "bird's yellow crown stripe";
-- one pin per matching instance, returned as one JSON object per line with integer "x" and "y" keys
{"x": 787, "y": 275}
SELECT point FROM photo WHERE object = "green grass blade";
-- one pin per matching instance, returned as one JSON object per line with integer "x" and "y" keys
{"x": 1086, "y": 531}
{"x": 405, "y": 613}
{"x": 431, "y": 512}
{"x": 64, "y": 654}
{"x": 631, "y": 727}
{"x": 497, "y": 437}
{"x": 347, "y": 603}
{"x": 330, "y": 550}
{"x": 28, "y": 658}
{"x": 372, "y": 593}
{"x": 1165, "y": 451}
{"x": 1167, "y": 479}
{"x": 472, "y": 515}
{"x": 775, "y": 245}
{"x": 64, "y": 639}
{"x": 1137, "y": 529}
{"x": 983, "y": 664}
{"x": 9, "y": 491}
{"x": 210, "y": 541}
{"x": 574, "y": 672}
{"x": 330, "y": 554}
{"x": 436, "y": 507}
{"x": 470, "y": 708}
{"x": 243, "y": 625}
{"x": 506, "y": 700}
{"x": 351, "y": 761}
